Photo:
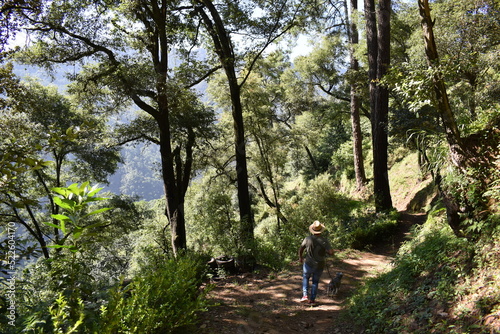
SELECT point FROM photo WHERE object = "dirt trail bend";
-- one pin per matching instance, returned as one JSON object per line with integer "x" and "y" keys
{"x": 269, "y": 303}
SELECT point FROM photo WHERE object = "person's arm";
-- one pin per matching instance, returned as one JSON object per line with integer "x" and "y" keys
{"x": 329, "y": 251}
{"x": 301, "y": 253}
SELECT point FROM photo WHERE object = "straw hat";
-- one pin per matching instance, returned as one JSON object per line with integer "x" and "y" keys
{"x": 316, "y": 227}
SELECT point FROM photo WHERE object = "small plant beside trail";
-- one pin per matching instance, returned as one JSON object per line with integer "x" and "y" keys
{"x": 166, "y": 297}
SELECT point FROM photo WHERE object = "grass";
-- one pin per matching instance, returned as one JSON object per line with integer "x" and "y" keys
{"x": 408, "y": 184}
{"x": 439, "y": 283}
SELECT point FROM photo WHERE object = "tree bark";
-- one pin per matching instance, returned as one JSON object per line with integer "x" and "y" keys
{"x": 378, "y": 41}
{"x": 357, "y": 135}
{"x": 174, "y": 203}
{"x": 442, "y": 102}
{"x": 224, "y": 50}
{"x": 173, "y": 208}
{"x": 458, "y": 155}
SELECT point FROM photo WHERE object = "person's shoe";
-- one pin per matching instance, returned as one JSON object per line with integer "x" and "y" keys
{"x": 304, "y": 299}
{"x": 312, "y": 303}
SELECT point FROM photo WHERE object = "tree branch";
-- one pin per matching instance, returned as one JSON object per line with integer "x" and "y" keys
{"x": 206, "y": 75}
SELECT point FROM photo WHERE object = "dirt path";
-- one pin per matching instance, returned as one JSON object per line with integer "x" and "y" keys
{"x": 269, "y": 303}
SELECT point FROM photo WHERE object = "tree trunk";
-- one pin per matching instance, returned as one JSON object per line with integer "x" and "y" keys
{"x": 357, "y": 136}
{"x": 457, "y": 152}
{"x": 173, "y": 209}
{"x": 378, "y": 40}
{"x": 244, "y": 201}
{"x": 182, "y": 177}
{"x": 224, "y": 50}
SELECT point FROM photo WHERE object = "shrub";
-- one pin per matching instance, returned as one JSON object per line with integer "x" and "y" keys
{"x": 165, "y": 297}
{"x": 374, "y": 230}
{"x": 211, "y": 212}
{"x": 319, "y": 199}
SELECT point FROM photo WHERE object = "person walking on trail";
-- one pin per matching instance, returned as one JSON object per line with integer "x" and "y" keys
{"x": 316, "y": 247}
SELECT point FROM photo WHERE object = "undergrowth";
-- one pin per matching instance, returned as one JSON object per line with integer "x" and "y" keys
{"x": 165, "y": 297}
{"x": 438, "y": 284}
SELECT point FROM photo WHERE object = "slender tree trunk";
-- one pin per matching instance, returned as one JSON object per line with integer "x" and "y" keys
{"x": 457, "y": 152}
{"x": 357, "y": 135}
{"x": 381, "y": 119}
{"x": 182, "y": 178}
{"x": 268, "y": 172}
{"x": 378, "y": 41}
{"x": 224, "y": 50}
{"x": 173, "y": 209}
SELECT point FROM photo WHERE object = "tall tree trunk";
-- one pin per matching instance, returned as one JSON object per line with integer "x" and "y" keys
{"x": 442, "y": 102}
{"x": 357, "y": 135}
{"x": 244, "y": 201}
{"x": 457, "y": 153}
{"x": 381, "y": 116}
{"x": 378, "y": 41}
{"x": 173, "y": 209}
{"x": 224, "y": 50}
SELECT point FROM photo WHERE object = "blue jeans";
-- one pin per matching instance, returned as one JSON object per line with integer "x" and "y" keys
{"x": 309, "y": 272}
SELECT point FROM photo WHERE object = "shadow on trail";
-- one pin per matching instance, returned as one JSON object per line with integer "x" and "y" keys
{"x": 270, "y": 304}
{"x": 267, "y": 302}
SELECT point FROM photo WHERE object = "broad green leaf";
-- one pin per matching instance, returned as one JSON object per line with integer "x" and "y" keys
{"x": 74, "y": 249}
{"x": 60, "y": 217}
{"x": 74, "y": 188}
{"x": 96, "y": 225}
{"x": 65, "y": 203}
{"x": 59, "y": 246}
{"x": 52, "y": 225}
{"x": 63, "y": 226}
{"x": 94, "y": 199}
{"x": 61, "y": 191}
{"x": 97, "y": 211}
{"x": 77, "y": 232}
{"x": 46, "y": 163}
{"x": 94, "y": 191}
{"x": 83, "y": 187}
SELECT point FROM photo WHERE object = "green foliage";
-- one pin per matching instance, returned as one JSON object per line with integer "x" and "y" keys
{"x": 474, "y": 192}
{"x": 212, "y": 212}
{"x": 299, "y": 160}
{"x": 18, "y": 153}
{"x": 374, "y": 230}
{"x": 342, "y": 162}
{"x": 60, "y": 315}
{"x": 317, "y": 199}
{"x": 75, "y": 200}
{"x": 65, "y": 275}
{"x": 41, "y": 124}
{"x": 165, "y": 296}
{"x": 69, "y": 294}
{"x": 417, "y": 290}
{"x": 465, "y": 38}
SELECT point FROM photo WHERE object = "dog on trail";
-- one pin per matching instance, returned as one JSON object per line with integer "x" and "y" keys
{"x": 334, "y": 285}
